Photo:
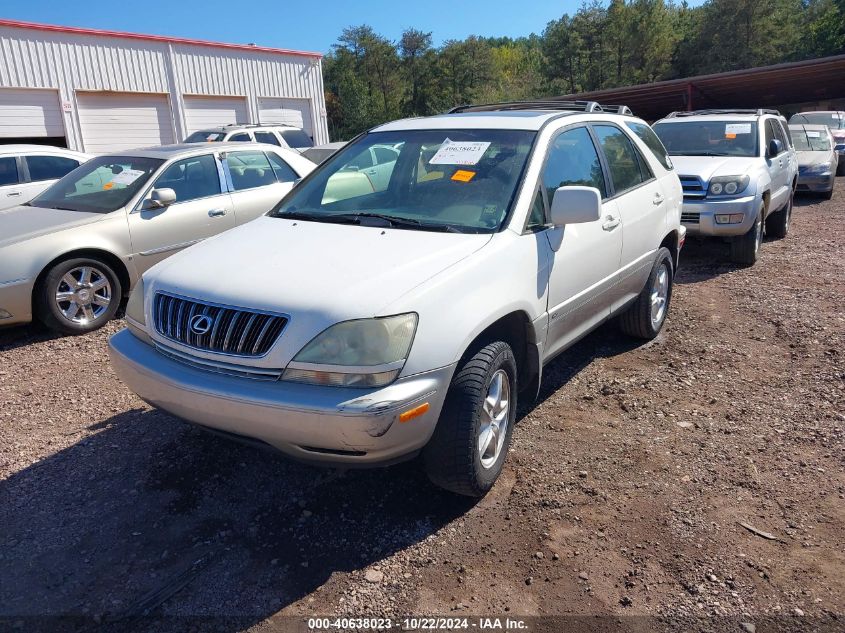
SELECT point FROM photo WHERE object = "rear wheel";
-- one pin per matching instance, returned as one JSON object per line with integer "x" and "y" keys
{"x": 468, "y": 449}
{"x": 777, "y": 224}
{"x": 746, "y": 248}
{"x": 645, "y": 317}
{"x": 78, "y": 296}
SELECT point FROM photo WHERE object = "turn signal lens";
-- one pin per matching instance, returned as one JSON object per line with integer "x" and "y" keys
{"x": 416, "y": 412}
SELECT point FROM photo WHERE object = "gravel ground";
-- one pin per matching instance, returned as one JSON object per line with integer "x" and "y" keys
{"x": 625, "y": 492}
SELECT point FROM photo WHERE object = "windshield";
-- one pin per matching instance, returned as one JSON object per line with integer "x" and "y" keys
{"x": 833, "y": 120}
{"x": 455, "y": 180}
{"x": 102, "y": 185}
{"x": 809, "y": 140}
{"x": 709, "y": 138}
{"x": 205, "y": 136}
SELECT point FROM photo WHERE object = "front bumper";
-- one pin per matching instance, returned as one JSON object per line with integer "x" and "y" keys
{"x": 328, "y": 425}
{"x": 15, "y": 301}
{"x": 815, "y": 182}
{"x": 699, "y": 216}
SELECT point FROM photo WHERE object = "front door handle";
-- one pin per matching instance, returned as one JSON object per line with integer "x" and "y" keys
{"x": 13, "y": 193}
{"x": 610, "y": 223}
{"x": 216, "y": 213}
{"x": 658, "y": 199}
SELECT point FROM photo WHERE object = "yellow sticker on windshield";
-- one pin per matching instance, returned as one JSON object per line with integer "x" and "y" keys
{"x": 108, "y": 186}
{"x": 729, "y": 135}
{"x": 462, "y": 175}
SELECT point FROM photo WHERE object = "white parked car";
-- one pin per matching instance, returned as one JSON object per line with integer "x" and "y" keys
{"x": 366, "y": 328}
{"x": 286, "y": 136}
{"x": 739, "y": 173}
{"x": 27, "y": 170}
{"x": 817, "y": 160}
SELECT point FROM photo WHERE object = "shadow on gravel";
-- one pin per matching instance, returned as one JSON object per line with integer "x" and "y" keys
{"x": 15, "y": 336}
{"x": 152, "y": 516}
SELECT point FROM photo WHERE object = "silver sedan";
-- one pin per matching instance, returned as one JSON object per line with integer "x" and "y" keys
{"x": 69, "y": 256}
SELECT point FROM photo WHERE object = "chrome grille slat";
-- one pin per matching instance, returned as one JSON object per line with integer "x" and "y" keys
{"x": 234, "y": 331}
{"x": 693, "y": 187}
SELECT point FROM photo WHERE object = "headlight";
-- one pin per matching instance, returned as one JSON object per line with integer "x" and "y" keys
{"x": 728, "y": 185}
{"x": 135, "y": 319}
{"x": 360, "y": 353}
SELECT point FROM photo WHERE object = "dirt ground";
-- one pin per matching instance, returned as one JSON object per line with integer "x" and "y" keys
{"x": 625, "y": 492}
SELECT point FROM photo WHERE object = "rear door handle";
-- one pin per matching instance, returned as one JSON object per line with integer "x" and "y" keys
{"x": 216, "y": 213}
{"x": 610, "y": 223}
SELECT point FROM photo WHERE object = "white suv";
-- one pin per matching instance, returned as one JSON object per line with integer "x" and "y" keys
{"x": 280, "y": 135}
{"x": 27, "y": 170}
{"x": 407, "y": 317}
{"x": 739, "y": 173}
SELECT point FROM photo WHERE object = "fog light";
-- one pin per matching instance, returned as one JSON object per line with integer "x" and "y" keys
{"x": 729, "y": 218}
{"x": 5, "y": 315}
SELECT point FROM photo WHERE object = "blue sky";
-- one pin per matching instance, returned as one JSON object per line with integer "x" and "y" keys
{"x": 310, "y": 25}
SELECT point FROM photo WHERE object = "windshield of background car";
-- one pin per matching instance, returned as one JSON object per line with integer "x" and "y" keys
{"x": 709, "y": 138}
{"x": 102, "y": 185}
{"x": 809, "y": 140}
{"x": 833, "y": 120}
{"x": 463, "y": 180}
{"x": 205, "y": 137}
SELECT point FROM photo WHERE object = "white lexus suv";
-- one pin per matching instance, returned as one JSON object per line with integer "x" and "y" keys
{"x": 365, "y": 327}
{"x": 739, "y": 172}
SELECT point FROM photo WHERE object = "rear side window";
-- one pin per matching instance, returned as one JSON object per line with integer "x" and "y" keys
{"x": 249, "y": 170}
{"x": 573, "y": 160}
{"x": 296, "y": 138}
{"x": 284, "y": 172}
{"x": 8, "y": 171}
{"x": 621, "y": 158}
{"x": 647, "y": 136}
{"x": 242, "y": 137}
{"x": 49, "y": 167}
{"x": 267, "y": 137}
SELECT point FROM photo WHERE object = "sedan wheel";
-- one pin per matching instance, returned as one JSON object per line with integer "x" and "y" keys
{"x": 78, "y": 296}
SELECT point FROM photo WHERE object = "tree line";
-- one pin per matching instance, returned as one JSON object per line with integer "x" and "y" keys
{"x": 370, "y": 79}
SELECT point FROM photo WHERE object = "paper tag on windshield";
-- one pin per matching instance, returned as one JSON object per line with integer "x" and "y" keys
{"x": 812, "y": 134}
{"x": 459, "y": 153}
{"x": 737, "y": 128}
{"x": 127, "y": 177}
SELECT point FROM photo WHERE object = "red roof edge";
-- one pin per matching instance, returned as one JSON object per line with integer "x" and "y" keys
{"x": 152, "y": 38}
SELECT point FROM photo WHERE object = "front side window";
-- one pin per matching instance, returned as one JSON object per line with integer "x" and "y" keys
{"x": 622, "y": 159}
{"x": 708, "y": 138}
{"x": 191, "y": 178}
{"x": 296, "y": 138}
{"x": 267, "y": 137}
{"x": 770, "y": 134}
{"x": 249, "y": 170}
{"x": 537, "y": 217}
{"x": 49, "y": 167}
{"x": 206, "y": 136}
{"x": 651, "y": 140}
{"x": 8, "y": 171}
{"x": 102, "y": 185}
{"x": 439, "y": 180}
{"x": 573, "y": 160}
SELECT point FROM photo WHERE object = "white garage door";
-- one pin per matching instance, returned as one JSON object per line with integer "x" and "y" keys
{"x": 288, "y": 111}
{"x": 124, "y": 120}
{"x": 27, "y": 113}
{"x": 206, "y": 112}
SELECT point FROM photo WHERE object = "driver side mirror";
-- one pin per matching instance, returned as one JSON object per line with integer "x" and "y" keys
{"x": 775, "y": 147}
{"x": 160, "y": 199}
{"x": 575, "y": 205}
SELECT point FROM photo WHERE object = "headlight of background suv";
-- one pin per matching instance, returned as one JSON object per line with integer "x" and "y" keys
{"x": 728, "y": 185}
{"x": 359, "y": 353}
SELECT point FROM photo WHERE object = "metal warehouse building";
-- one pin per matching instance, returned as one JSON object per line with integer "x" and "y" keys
{"x": 100, "y": 91}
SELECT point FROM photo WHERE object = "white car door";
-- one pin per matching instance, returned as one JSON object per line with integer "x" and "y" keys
{"x": 257, "y": 181}
{"x": 202, "y": 209}
{"x": 585, "y": 257}
{"x": 642, "y": 207}
{"x": 778, "y": 167}
{"x": 11, "y": 187}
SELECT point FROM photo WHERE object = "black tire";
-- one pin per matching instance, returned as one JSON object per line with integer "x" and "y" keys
{"x": 777, "y": 224}
{"x": 827, "y": 195}
{"x": 452, "y": 458}
{"x": 52, "y": 313}
{"x": 746, "y": 248}
{"x": 637, "y": 319}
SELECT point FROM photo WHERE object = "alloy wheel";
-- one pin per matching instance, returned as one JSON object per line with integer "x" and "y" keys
{"x": 495, "y": 415}
{"x": 83, "y": 294}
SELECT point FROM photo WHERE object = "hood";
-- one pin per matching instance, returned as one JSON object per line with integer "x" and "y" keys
{"x": 805, "y": 159}
{"x": 327, "y": 271}
{"x": 23, "y": 223}
{"x": 707, "y": 167}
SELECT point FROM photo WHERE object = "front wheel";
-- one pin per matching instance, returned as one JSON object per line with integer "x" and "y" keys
{"x": 467, "y": 451}
{"x": 645, "y": 317}
{"x": 777, "y": 224}
{"x": 746, "y": 248}
{"x": 78, "y": 296}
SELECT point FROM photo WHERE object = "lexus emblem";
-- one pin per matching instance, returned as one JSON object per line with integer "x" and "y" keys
{"x": 200, "y": 324}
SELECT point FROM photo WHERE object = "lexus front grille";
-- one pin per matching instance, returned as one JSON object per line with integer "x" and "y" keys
{"x": 216, "y": 328}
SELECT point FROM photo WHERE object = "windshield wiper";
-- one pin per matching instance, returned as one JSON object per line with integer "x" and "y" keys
{"x": 355, "y": 218}
{"x": 340, "y": 218}
{"x": 700, "y": 154}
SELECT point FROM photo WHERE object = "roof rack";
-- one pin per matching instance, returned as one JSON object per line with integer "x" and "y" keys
{"x": 257, "y": 125}
{"x": 757, "y": 112}
{"x": 565, "y": 106}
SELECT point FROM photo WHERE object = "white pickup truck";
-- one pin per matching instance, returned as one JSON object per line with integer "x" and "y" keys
{"x": 363, "y": 329}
